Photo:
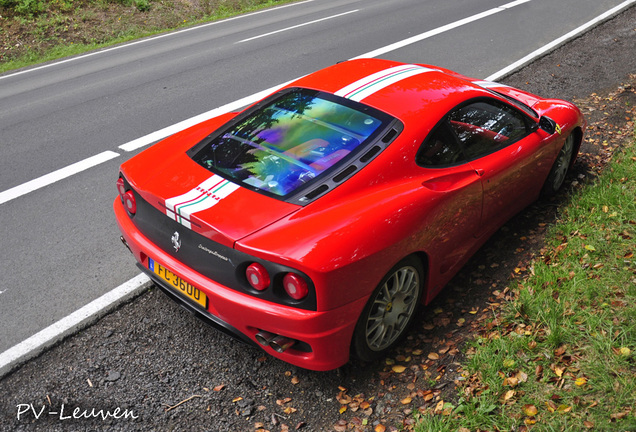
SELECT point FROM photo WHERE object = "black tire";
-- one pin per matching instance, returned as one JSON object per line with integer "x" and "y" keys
{"x": 390, "y": 310}
{"x": 560, "y": 169}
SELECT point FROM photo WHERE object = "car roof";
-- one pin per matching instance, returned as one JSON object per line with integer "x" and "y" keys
{"x": 406, "y": 91}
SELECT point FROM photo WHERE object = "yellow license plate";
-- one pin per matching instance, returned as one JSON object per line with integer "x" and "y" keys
{"x": 178, "y": 284}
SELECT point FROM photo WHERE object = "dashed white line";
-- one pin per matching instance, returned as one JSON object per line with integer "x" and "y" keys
{"x": 141, "y": 41}
{"x": 298, "y": 26}
{"x": 55, "y": 176}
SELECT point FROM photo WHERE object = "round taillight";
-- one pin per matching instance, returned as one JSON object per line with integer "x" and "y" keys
{"x": 130, "y": 203}
{"x": 295, "y": 286}
{"x": 257, "y": 276}
{"x": 121, "y": 187}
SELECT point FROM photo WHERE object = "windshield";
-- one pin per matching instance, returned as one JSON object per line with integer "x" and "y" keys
{"x": 289, "y": 142}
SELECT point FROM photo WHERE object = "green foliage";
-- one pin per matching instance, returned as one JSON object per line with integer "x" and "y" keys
{"x": 142, "y": 5}
{"x": 25, "y": 8}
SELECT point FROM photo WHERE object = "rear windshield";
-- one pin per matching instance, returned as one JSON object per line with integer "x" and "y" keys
{"x": 289, "y": 142}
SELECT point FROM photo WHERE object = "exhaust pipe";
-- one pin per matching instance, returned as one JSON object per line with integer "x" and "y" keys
{"x": 264, "y": 338}
{"x": 123, "y": 240}
{"x": 276, "y": 342}
{"x": 280, "y": 344}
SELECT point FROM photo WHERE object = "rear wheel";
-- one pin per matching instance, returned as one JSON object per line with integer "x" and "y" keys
{"x": 560, "y": 168}
{"x": 390, "y": 310}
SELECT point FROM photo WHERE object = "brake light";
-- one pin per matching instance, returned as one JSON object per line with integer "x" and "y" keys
{"x": 257, "y": 276}
{"x": 130, "y": 203}
{"x": 121, "y": 187}
{"x": 295, "y": 286}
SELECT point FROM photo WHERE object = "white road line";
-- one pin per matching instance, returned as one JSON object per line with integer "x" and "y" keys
{"x": 141, "y": 41}
{"x": 178, "y": 127}
{"x": 435, "y": 32}
{"x": 55, "y": 176}
{"x": 299, "y": 25}
{"x": 40, "y": 341}
{"x": 558, "y": 42}
{"x": 248, "y": 100}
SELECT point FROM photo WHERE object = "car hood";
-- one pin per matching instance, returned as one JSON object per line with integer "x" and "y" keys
{"x": 202, "y": 201}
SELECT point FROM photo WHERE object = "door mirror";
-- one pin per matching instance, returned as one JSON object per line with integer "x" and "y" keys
{"x": 548, "y": 125}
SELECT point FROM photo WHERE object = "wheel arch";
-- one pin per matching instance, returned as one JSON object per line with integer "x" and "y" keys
{"x": 578, "y": 141}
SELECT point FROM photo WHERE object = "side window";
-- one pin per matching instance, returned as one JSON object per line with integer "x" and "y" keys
{"x": 485, "y": 127}
{"x": 440, "y": 148}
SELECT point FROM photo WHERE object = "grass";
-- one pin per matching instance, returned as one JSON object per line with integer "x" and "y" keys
{"x": 62, "y": 28}
{"x": 563, "y": 357}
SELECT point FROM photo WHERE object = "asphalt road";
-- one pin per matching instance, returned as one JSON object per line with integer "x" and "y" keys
{"x": 59, "y": 243}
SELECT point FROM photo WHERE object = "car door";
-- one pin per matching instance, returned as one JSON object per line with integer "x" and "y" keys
{"x": 451, "y": 225}
{"x": 499, "y": 142}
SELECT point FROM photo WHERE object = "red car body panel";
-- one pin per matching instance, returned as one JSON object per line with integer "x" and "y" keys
{"x": 347, "y": 240}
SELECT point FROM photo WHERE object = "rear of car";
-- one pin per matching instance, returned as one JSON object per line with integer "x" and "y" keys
{"x": 186, "y": 203}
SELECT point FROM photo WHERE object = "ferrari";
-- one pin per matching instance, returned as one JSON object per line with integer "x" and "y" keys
{"x": 316, "y": 221}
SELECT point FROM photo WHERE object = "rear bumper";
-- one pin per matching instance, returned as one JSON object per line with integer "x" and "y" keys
{"x": 324, "y": 336}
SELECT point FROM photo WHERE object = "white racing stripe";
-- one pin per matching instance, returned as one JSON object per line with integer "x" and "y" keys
{"x": 203, "y": 197}
{"x": 373, "y": 83}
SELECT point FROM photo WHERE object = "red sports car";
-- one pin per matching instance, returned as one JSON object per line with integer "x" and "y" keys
{"x": 314, "y": 222}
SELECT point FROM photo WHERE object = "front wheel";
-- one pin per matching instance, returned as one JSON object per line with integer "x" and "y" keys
{"x": 389, "y": 311}
{"x": 560, "y": 168}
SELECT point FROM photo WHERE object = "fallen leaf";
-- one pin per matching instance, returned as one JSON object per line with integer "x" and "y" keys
{"x": 295, "y": 380}
{"x": 236, "y": 399}
{"x": 398, "y": 368}
{"x": 342, "y": 409}
{"x": 281, "y": 402}
{"x": 289, "y": 410}
{"x": 406, "y": 401}
{"x": 521, "y": 376}
{"x": 588, "y": 424}
{"x": 551, "y": 406}
{"x": 564, "y": 409}
{"x": 380, "y": 428}
{"x": 511, "y": 381}
{"x": 509, "y": 395}
{"x": 530, "y": 410}
{"x": 580, "y": 381}
{"x": 590, "y": 248}
{"x": 340, "y": 426}
{"x": 625, "y": 351}
{"x": 439, "y": 407}
{"x": 219, "y": 387}
{"x": 433, "y": 356}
